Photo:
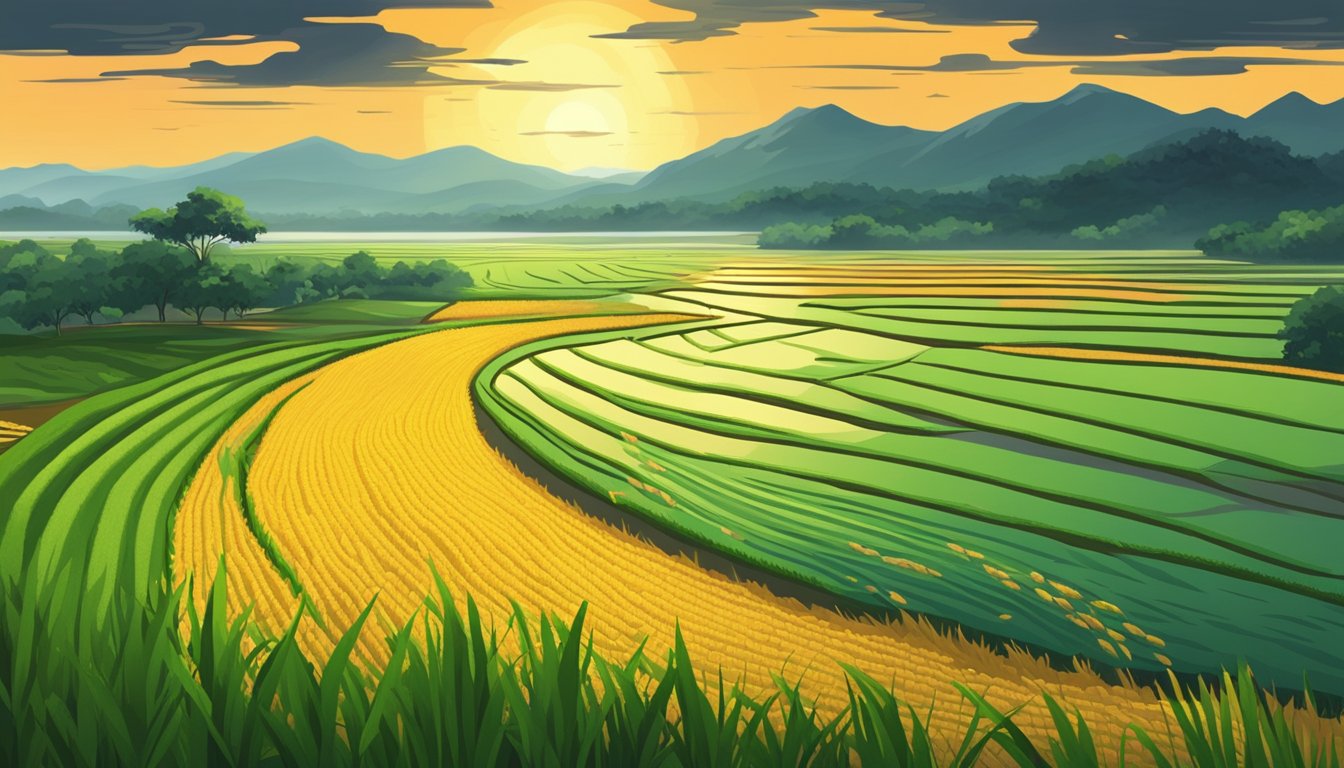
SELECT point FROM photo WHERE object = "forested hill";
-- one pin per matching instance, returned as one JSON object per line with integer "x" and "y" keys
{"x": 1165, "y": 196}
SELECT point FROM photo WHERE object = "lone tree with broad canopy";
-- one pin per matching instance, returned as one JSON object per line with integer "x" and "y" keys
{"x": 205, "y": 219}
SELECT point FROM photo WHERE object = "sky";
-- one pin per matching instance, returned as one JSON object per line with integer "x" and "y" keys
{"x": 575, "y": 84}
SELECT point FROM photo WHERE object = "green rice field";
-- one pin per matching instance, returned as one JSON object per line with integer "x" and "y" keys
{"x": 1080, "y": 451}
{"x": 842, "y": 422}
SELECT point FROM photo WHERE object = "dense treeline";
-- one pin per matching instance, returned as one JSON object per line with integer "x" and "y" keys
{"x": 40, "y": 289}
{"x": 1314, "y": 331}
{"x": 863, "y": 231}
{"x": 1162, "y": 196}
{"x": 1297, "y": 236}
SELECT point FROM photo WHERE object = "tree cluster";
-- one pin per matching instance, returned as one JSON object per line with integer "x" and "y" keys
{"x": 1314, "y": 331}
{"x": 1296, "y": 236}
{"x": 39, "y": 289}
{"x": 861, "y": 231}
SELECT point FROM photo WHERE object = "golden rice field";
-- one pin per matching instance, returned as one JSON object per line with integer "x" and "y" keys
{"x": 375, "y": 467}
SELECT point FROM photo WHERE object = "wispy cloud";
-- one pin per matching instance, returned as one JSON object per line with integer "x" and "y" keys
{"x": 849, "y": 87}
{"x": 545, "y": 87}
{"x": 570, "y": 134}
{"x": 239, "y": 103}
{"x": 876, "y": 30}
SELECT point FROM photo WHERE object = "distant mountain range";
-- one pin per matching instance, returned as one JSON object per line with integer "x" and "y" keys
{"x": 313, "y": 175}
{"x": 830, "y": 144}
{"x": 826, "y": 144}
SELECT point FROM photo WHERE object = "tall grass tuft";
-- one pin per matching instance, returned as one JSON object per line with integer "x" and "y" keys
{"x": 166, "y": 684}
{"x": 1239, "y": 729}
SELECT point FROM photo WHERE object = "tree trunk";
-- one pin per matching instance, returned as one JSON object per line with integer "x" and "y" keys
{"x": 162, "y": 317}
{"x": 223, "y": 315}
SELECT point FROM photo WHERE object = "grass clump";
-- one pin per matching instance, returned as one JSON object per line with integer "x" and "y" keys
{"x": 146, "y": 692}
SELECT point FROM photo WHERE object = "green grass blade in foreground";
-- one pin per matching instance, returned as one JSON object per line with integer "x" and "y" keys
{"x": 143, "y": 696}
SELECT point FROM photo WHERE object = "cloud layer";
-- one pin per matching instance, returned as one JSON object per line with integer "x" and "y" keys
{"x": 1064, "y": 27}
{"x": 102, "y": 28}
{"x": 329, "y": 54}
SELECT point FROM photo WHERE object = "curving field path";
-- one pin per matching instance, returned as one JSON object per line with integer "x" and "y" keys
{"x": 374, "y": 466}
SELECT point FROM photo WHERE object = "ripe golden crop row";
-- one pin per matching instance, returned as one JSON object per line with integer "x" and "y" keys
{"x": 11, "y": 431}
{"x": 210, "y": 523}
{"x": 377, "y": 468}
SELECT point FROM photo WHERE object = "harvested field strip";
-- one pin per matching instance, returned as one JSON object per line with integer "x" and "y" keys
{"x": 1075, "y": 353}
{"x": 497, "y": 535}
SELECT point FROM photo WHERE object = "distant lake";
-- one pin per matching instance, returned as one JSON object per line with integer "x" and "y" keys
{"x": 404, "y": 237}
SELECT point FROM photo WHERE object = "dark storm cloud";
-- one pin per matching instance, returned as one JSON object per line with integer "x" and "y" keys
{"x": 329, "y": 55}
{"x": 102, "y": 28}
{"x": 1063, "y": 27}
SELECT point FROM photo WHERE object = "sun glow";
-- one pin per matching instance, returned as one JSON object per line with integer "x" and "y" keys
{"x": 568, "y": 99}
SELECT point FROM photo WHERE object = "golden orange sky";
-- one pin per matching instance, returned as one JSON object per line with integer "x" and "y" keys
{"x": 578, "y": 100}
